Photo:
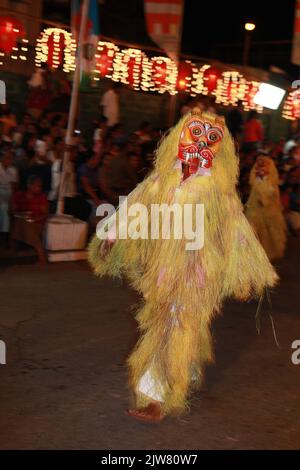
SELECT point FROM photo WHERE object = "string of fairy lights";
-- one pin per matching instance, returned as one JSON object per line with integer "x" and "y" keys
{"x": 133, "y": 67}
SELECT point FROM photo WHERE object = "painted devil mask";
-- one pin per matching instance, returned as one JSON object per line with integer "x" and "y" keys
{"x": 262, "y": 167}
{"x": 200, "y": 141}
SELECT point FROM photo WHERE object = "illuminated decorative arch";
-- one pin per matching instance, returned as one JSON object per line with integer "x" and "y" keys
{"x": 13, "y": 43}
{"x": 164, "y": 75}
{"x": 56, "y": 47}
{"x": 291, "y": 107}
{"x": 104, "y": 59}
{"x": 184, "y": 76}
{"x": 128, "y": 67}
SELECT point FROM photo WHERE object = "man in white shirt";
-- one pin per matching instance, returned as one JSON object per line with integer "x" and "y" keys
{"x": 292, "y": 142}
{"x": 111, "y": 104}
{"x": 44, "y": 149}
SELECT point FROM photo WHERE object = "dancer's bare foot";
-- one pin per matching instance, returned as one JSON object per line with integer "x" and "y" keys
{"x": 152, "y": 413}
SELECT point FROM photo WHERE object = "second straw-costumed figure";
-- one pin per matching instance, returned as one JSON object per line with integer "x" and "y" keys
{"x": 264, "y": 210}
{"x": 184, "y": 289}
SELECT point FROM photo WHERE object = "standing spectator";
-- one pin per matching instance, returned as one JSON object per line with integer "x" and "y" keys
{"x": 8, "y": 181}
{"x": 30, "y": 210}
{"x": 26, "y": 122}
{"x": 136, "y": 164}
{"x": 88, "y": 174}
{"x": 144, "y": 132}
{"x": 253, "y": 132}
{"x": 293, "y": 216}
{"x": 43, "y": 148}
{"x": 74, "y": 204}
{"x": 111, "y": 104}
{"x": 291, "y": 142}
{"x": 56, "y": 167}
{"x": 39, "y": 93}
{"x": 116, "y": 176}
{"x": 235, "y": 121}
{"x": 186, "y": 106}
{"x": 99, "y": 135}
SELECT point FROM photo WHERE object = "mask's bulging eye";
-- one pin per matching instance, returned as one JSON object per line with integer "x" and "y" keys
{"x": 196, "y": 130}
{"x": 214, "y": 135}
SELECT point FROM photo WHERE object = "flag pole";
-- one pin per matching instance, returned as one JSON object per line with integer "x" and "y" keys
{"x": 73, "y": 105}
{"x": 173, "y": 98}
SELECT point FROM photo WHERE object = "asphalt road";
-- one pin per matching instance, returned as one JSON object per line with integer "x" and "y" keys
{"x": 64, "y": 386}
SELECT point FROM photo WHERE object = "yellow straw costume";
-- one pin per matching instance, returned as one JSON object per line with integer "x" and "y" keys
{"x": 184, "y": 289}
{"x": 263, "y": 208}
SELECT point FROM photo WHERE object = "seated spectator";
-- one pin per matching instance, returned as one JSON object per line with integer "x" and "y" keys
{"x": 8, "y": 182}
{"x": 30, "y": 210}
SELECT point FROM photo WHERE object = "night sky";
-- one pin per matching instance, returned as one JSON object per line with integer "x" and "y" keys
{"x": 208, "y": 28}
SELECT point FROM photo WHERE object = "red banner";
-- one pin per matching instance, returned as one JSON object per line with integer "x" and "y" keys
{"x": 296, "y": 41}
{"x": 164, "y": 24}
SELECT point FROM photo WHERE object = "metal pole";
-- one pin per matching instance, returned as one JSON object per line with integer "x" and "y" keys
{"x": 73, "y": 105}
{"x": 173, "y": 98}
{"x": 247, "y": 46}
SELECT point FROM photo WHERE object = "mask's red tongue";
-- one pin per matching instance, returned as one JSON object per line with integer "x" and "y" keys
{"x": 185, "y": 171}
{"x": 194, "y": 165}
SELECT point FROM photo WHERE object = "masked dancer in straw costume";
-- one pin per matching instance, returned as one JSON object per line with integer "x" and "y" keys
{"x": 263, "y": 208}
{"x": 183, "y": 287}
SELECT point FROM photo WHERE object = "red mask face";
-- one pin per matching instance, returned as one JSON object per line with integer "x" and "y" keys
{"x": 200, "y": 141}
{"x": 262, "y": 167}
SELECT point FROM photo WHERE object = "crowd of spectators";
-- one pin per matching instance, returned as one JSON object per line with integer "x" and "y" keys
{"x": 31, "y": 168}
{"x": 31, "y": 164}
